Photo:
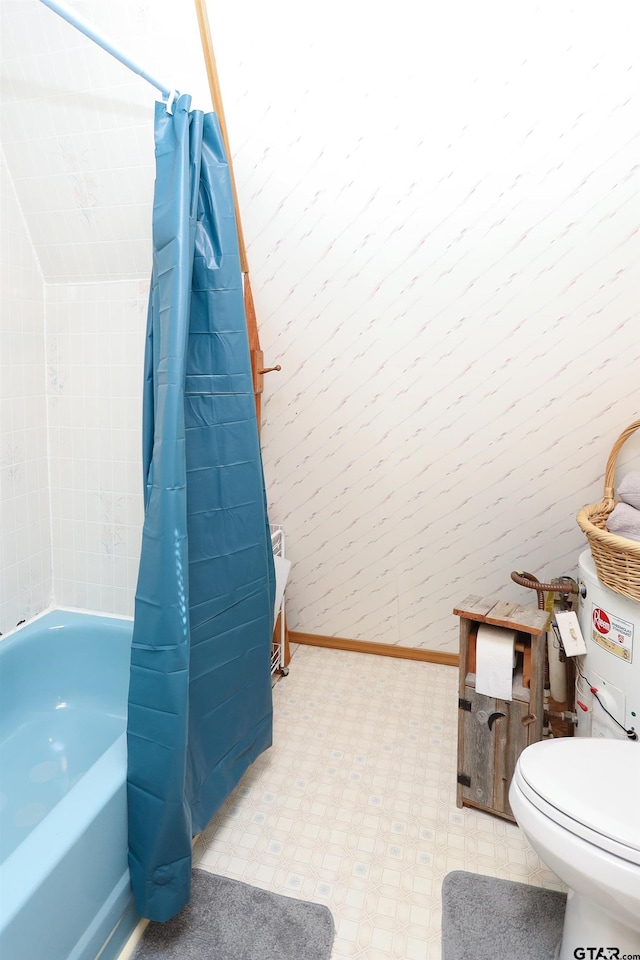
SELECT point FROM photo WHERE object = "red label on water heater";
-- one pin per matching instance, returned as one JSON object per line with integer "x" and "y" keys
{"x": 612, "y": 633}
{"x": 601, "y": 621}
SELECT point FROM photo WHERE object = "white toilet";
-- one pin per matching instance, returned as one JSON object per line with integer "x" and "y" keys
{"x": 578, "y": 802}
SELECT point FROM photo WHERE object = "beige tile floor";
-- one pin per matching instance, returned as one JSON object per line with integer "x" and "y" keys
{"x": 354, "y": 805}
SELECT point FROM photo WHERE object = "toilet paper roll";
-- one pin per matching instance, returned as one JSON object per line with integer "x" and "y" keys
{"x": 495, "y": 659}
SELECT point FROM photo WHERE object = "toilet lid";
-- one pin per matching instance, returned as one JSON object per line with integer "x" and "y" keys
{"x": 595, "y": 786}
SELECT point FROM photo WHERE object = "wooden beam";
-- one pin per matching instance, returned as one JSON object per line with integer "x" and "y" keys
{"x": 377, "y": 649}
{"x": 216, "y": 99}
{"x": 257, "y": 360}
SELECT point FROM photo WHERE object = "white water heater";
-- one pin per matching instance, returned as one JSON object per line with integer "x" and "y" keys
{"x": 610, "y": 624}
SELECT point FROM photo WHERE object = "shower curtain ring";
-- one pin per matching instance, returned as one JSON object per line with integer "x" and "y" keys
{"x": 170, "y": 100}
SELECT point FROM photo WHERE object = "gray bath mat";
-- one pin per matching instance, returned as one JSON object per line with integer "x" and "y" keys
{"x": 488, "y": 919}
{"x": 229, "y": 920}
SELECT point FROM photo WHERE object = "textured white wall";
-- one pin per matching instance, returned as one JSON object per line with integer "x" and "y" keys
{"x": 444, "y": 245}
{"x": 25, "y": 541}
{"x": 441, "y": 207}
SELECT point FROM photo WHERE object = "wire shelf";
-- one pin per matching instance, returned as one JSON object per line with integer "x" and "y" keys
{"x": 278, "y": 647}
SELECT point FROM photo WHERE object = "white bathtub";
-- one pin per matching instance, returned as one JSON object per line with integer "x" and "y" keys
{"x": 64, "y": 880}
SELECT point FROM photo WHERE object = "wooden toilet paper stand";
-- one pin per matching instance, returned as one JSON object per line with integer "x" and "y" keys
{"x": 492, "y": 733}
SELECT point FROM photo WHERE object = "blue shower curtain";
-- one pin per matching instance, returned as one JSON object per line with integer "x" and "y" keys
{"x": 200, "y": 690}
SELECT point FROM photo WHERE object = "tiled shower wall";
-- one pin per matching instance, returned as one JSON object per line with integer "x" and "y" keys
{"x": 95, "y": 344}
{"x": 70, "y": 434}
{"x": 25, "y": 542}
{"x": 442, "y": 215}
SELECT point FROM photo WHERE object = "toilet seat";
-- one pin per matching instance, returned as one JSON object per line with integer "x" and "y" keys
{"x": 591, "y": 787}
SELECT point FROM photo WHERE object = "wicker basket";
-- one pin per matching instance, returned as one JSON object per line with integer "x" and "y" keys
{"x": 617, "y": 559}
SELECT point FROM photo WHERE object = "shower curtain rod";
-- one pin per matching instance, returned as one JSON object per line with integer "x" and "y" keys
{"x": 168, "y": 93}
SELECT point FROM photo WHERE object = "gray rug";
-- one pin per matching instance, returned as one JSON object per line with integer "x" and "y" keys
{"x": 488, "y": 919}
{"x": 229, "y": 920}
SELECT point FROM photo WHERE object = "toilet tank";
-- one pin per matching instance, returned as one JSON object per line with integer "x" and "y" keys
{"x": 610, "y": 624}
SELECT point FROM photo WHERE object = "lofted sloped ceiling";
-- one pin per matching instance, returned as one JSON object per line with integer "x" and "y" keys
{"x": 77, "y": 128}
